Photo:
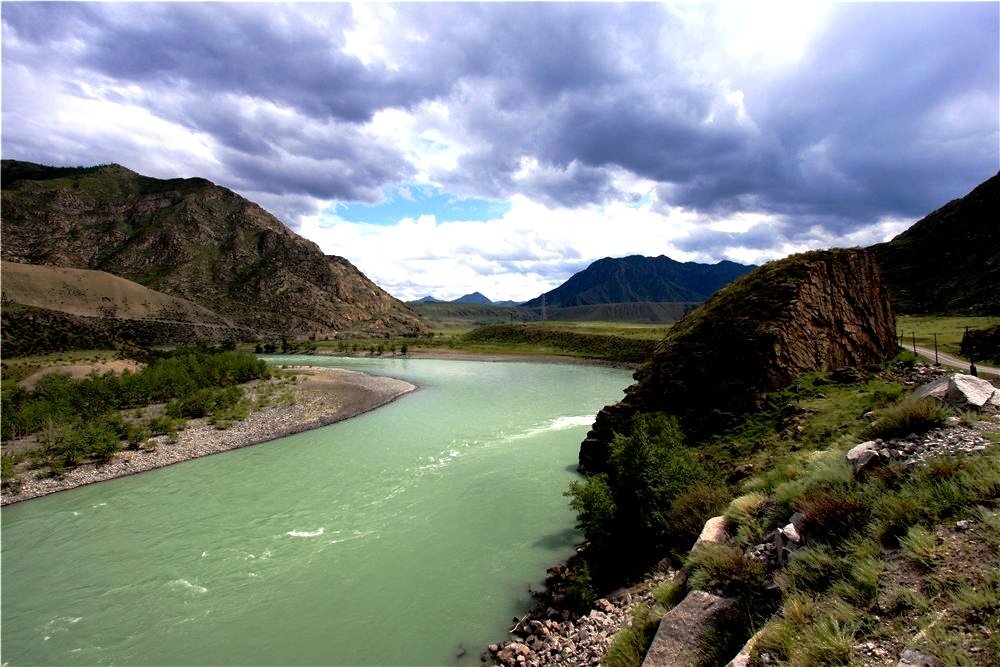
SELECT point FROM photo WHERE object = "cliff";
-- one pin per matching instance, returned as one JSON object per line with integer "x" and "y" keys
{"x": 191, "y": 239}
{"x": 819, "y": 310}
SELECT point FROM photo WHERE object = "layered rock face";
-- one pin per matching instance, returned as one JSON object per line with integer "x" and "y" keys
{"x": 814, "y": 311}
{"x": 192, "y": 239}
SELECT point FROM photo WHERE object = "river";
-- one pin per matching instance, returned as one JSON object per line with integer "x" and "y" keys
{"x": 400, "y": 537}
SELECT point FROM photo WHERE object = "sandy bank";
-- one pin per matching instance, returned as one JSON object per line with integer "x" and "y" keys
{"x": 322, "y": 396}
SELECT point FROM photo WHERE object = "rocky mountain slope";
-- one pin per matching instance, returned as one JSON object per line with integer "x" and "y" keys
{"x": 195, "y": 240}
{"x": 948, "y": 262}
{"x": 819, "y": 310}
{"x": 636, "y": 278}
{"x": 49, "y": 309}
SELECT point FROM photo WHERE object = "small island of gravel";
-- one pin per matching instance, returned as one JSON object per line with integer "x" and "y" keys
{"x": 311, "y": 397}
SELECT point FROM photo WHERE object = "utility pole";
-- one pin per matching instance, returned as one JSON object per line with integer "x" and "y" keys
{"x": 936, "y": 362}
{"x": 913, "y": 336}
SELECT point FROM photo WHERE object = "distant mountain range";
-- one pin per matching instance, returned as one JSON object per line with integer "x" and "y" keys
{"x": 949, "y": 261}
{"x": 194, "y": 240}
{"x": 475, "y": 297}
{"x": 636, "y": 278}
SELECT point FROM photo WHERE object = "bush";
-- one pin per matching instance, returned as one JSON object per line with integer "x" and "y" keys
{"x": 906, "y": 417}
{"x": 727, "y": 571}
{"x": 692, "y": 508}
{"x": 626, "y": 513}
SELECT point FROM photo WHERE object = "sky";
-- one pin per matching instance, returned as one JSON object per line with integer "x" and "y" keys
{"x": 500, "y": 148}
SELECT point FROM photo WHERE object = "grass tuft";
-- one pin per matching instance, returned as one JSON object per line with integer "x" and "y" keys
{"x": 908, "y": 416}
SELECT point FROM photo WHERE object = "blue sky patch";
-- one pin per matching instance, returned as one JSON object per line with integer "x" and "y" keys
{"x": 411, "y": 200}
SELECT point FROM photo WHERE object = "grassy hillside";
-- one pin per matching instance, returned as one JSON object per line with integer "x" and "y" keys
{"x": 95, "y": 294}
{"x": 949, "y": 261}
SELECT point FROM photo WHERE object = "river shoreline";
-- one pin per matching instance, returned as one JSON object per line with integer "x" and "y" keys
{"x": 322, "y": 396}
{"x": 492, "y": 357}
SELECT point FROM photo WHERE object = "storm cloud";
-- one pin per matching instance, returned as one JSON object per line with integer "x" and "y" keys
{"x": 829, "y": 120}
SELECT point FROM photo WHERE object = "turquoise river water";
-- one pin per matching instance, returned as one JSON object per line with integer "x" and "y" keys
{"x": 399, "y": 537}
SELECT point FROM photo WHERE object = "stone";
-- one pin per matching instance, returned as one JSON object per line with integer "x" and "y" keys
{"x": 682, "y": 629}
{"x": 791, "y": 533}
{"x": 911, "y": 658}
{"x": 962, "y": 392}
{"x": 867, "y": 460}
{"x": 713, "y": 532}
{"x": 858, "y": 450}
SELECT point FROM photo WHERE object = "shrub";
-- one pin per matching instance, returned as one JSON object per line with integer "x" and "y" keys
{"x": 692, "y": 508}
{"x": 626, "y": 512}
{"x": 726, "y": 570}
{"x": 906, "y": 417}
{"x": 8, "y": 474}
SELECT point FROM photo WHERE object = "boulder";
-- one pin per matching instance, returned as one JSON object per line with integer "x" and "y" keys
{"x": 714, "y": 532}
{"x": 678, "y": 640}
{"x": 963, "y": 392}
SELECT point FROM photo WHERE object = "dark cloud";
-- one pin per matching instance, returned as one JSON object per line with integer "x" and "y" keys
{"x": 892, "y": 110}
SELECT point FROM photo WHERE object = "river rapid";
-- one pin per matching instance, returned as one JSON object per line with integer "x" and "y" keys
{"x": 405, "y": 536}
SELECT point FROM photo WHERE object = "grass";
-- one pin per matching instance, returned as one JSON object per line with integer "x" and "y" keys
{"x": 949, "y": 330}
{"x": 878, "y": 567}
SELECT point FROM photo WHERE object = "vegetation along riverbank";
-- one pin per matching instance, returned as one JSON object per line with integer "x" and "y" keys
{"x": 65, "y": 432}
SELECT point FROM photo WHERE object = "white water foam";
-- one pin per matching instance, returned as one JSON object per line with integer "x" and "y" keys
{"x": 305, "y": 533}
{"x": 557, "y": 424}
{"x": 187, "y": 585}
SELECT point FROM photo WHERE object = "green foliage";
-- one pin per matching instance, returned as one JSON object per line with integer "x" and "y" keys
{"x": 908, "y": 416}
{"x": 626, "y": 513}
{"x": 8, "y": 473}
{"x": 547, "y": 340}
{"x": 79, "y": 420}
{"x": 595, "y": 509}
{"x": 187, "y": 374}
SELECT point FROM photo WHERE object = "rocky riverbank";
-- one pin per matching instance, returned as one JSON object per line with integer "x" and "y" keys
{"x": 547, "y": 636}
{"x": 317, "y": 397}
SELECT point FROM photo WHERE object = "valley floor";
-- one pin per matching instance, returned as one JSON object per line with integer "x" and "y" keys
{"x": 318, "y": 397}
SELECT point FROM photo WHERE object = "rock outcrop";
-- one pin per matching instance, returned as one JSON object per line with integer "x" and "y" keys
{"x": 195, "y": 240}
{"x": 815, "y": 311}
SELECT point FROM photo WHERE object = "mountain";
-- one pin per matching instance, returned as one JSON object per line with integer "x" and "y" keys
{"x": 427, "y": 299}
{"x": 475, "y": 297}
{"x": 636, "y": 278}
{"x": 817, "y": 311}
{"x": 191, "y": 239}
{"x": 948, "y": 262}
